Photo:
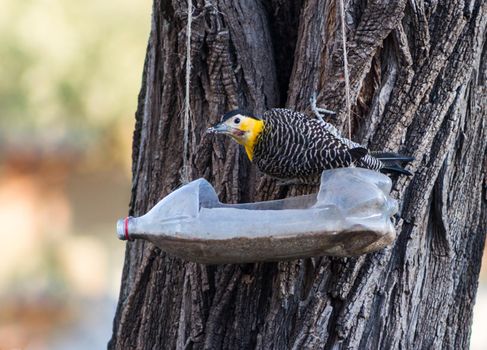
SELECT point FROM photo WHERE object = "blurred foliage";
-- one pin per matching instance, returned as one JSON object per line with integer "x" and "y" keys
{"x": 70, "y": 70}
{"x": 70, "y": 73}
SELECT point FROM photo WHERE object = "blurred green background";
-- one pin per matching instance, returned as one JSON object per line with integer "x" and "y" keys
{"x": 70, "y": 73}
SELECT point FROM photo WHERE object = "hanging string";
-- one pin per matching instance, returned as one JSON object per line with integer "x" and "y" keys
{"x": 186, "y": 167}
{"x": 345, "y": 69}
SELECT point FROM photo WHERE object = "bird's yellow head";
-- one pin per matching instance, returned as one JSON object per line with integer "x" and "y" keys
{"x": 242, "y": 127}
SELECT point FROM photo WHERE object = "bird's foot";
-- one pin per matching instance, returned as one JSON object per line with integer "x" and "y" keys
{"x": 287, "y": 182}
{"x": 318, "y": 111}
{"x": 296, "y": 182}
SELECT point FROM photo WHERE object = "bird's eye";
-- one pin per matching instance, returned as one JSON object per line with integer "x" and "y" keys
{"x": 236, "y": 120}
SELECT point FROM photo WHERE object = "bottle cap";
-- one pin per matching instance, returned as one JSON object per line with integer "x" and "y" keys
{"x": 123, "y": 229}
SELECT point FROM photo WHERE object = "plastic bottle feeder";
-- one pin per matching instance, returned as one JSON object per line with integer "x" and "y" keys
{"x": 350, "y": 215}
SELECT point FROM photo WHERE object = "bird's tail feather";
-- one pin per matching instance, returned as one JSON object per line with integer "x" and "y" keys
{"x": 395, "y": 169}
{"x": 393, "y": 162}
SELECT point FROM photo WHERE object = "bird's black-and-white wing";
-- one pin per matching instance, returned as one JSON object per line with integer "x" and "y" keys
{"x": 293, "y": 145}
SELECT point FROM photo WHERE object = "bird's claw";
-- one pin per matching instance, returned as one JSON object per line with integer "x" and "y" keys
{"x": 318, "y": 111}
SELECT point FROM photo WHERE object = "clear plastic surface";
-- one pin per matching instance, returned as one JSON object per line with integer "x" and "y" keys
{"x": 350, "y": 215}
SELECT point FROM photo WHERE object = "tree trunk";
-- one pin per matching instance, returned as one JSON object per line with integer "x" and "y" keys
{"x": 418, "y": 79}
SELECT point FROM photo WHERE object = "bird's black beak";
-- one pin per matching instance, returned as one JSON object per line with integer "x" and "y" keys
{"x": 220, "y": 128}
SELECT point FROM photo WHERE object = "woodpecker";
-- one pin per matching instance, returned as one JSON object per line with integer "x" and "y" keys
{"x": 296, "y": 148}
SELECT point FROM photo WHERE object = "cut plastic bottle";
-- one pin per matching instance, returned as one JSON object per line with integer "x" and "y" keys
{"x": 350, "y": 215}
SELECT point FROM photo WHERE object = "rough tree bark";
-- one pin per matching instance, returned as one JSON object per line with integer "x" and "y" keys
{"x": 418, "y": 76}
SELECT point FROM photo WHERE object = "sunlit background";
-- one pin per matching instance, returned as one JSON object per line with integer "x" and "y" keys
{"x": 70, "y": 73}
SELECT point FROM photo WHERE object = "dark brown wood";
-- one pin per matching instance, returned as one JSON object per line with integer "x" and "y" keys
{"x": 418, "y": 86}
